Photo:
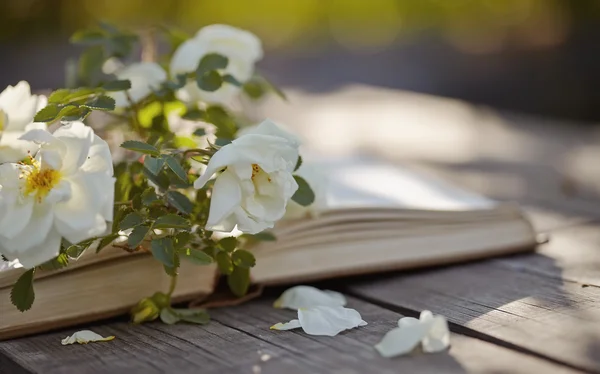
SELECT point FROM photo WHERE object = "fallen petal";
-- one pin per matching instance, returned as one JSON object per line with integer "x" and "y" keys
{"x": 84, "y": 337}
{"x": 328, "y": 320}
{"x": 401, "y": 340}
{"x": 306, "y": 296}
{"x": 438, "y": 337}
{"x": 293, "y": 324}
{"x": 407, "y": 321}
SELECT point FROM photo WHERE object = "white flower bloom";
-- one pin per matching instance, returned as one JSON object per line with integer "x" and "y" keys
{"x": 306, "y": 296}
{"x": 323, "y": 320}
{"x": 242, "y": 48}
{"x": 66, "y": 191}
{"x": 144, "y": 76}
{"x": 84, "y": 337}
{"x": 256, "y": 183}
{"x": 17, "y": 109}
{"x": 429, "y": 330}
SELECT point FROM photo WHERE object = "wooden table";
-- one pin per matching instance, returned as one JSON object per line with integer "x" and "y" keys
{"x": 532, "y": 313}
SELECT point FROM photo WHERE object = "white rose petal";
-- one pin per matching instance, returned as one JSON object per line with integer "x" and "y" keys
{"x": 306, "y": 296}
{"x": 255, "y": 186}
{"x": 66, "y": 192}
{"x": 17, "y": 110}
{"x": 429, "y": 330}
{"x": 242, "y": 48}
{"x": 323, "y": 320}
{"x": 145, "y": 77}
{"x": 84, "y": 337}
{"x": 293, "y": 324}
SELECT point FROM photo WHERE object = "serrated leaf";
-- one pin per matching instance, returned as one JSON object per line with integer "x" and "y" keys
{"x": 177, "y": 168}
{"x": 90, "y": 65}
{"x": 182, "y": 239}
{"x": 141, "y": 147}
{"x": 231, "y": 80}
{"x": 101, "y": 102}
{"x": 304, "y": 195}
{"x": 162, "y": 250}
{"x": 168, "y": 316}
{"x": 274, "y": 88}
{"x": 228, "y": 244}
{"x": 71, "y": 111}
{"x": 130, "y": 221}
{"x": 224, "y": 262}
{"x": 209, "y": 81}
{"x": 47, "y": 114}
{"x": 107, "y": 240}
{"x": 196, "y": 256}
{"x": 149, "y": 196}
{"x": 58, "y": 96}
{"x": 180, "y": 202}
{"x": 298, "y": 163}
{"x": 59, "y": 262}
{"x": 22, "y": 294}
{"x": 172, "y": 221}
{"x": 243, "y": 258}
{"x": 200, "y": 132}
{"x": 153, "y": 164}
{"x": 161, "y": 180}
{"x": 212, "y": 61}
{"x": 225, "y": 124}
{"x": 137, "y": 235}
{"x": 118, "y": 85}
{"x": 239, "y": 281}
{"x": 75, "y": 251}
{"x": 265, "y": 236}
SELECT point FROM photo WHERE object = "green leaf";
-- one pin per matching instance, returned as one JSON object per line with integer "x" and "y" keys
{"x": 88, "y": 37}
{"x": 198, "y": 316}
{"x": 274, "y": 88}
{"x": 196, "y": 256}
{"x": 137, "y": 235}
{"x": 194, "y": 115}
{"x": 265, "y": 236}
{"x": 254, "y": 89}
{"x": 172, "y": 221}
{"x": 161, "y": 180}
{"x": 118, "y": 85}
{"x": 180, "y": 202}
{"x": 182, "y": 239}
{"x": 58, "y": 96}
{"x": 232, "y": 80}
{"x": 101, "y": 102}
{"x": 80, "y": 95}
{"x": 239, "y": 281}
{"x": 90, "y": 65}
{"x": 243, "y": 258}
{"x": 75, "y": 251}
{"x": 298, "y": 163}
{"x": 226, "y": 126}
{"x": 149, "y": 196}
{"x": 304, "y": 195}
{"x": 47, "y": 114}
{"x": 162, "y": 250}
{"x": 200, "y": 132}
{"x": 59, "y": 262}
{"x": 71, "y": 111}
{"x": 221, "y": 142}
{"x": 130, "y": 221}
{"x": 168, "y": 316}
{"x": 209, "y": 81}
{"x": 228, "y": 244}
{"x": 141, "y": 147}
{"x": 176, "y": 167}
{"x": 22, "y": 294}
{"x": 212, "y": 61}
{"x": 107, "y": 240}
{"x": 224, "y": 262}
{"x": 154, "y": 165}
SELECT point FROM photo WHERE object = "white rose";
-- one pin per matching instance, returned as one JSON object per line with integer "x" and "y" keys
{"x": 242, "y": 48}
{"x": 144, "y": 76}
{"x": 256, "y": 183}
{"x": 17, "y": 109}
{"x": 67, "y": 191}
{"x": 311, "y": 173}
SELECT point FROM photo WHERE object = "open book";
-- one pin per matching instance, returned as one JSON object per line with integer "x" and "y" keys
{"x": 378, "y": 218}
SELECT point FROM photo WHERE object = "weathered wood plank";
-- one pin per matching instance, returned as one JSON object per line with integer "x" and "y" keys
{"x": 556, "y": 319}
{"x": 238, "y": 340}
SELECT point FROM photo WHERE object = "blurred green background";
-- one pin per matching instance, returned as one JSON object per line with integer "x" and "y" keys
{"x": 535, "y": 56}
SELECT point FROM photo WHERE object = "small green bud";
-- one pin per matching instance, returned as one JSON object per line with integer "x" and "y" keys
{"x": 146, "y": 310}
{"x": 161, "y": 300}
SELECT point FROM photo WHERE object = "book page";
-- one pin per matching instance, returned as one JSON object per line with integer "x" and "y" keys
{"x": 361, "y": 182}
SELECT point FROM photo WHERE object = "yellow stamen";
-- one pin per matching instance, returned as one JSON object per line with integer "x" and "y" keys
{"x": 38, "y": 182}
